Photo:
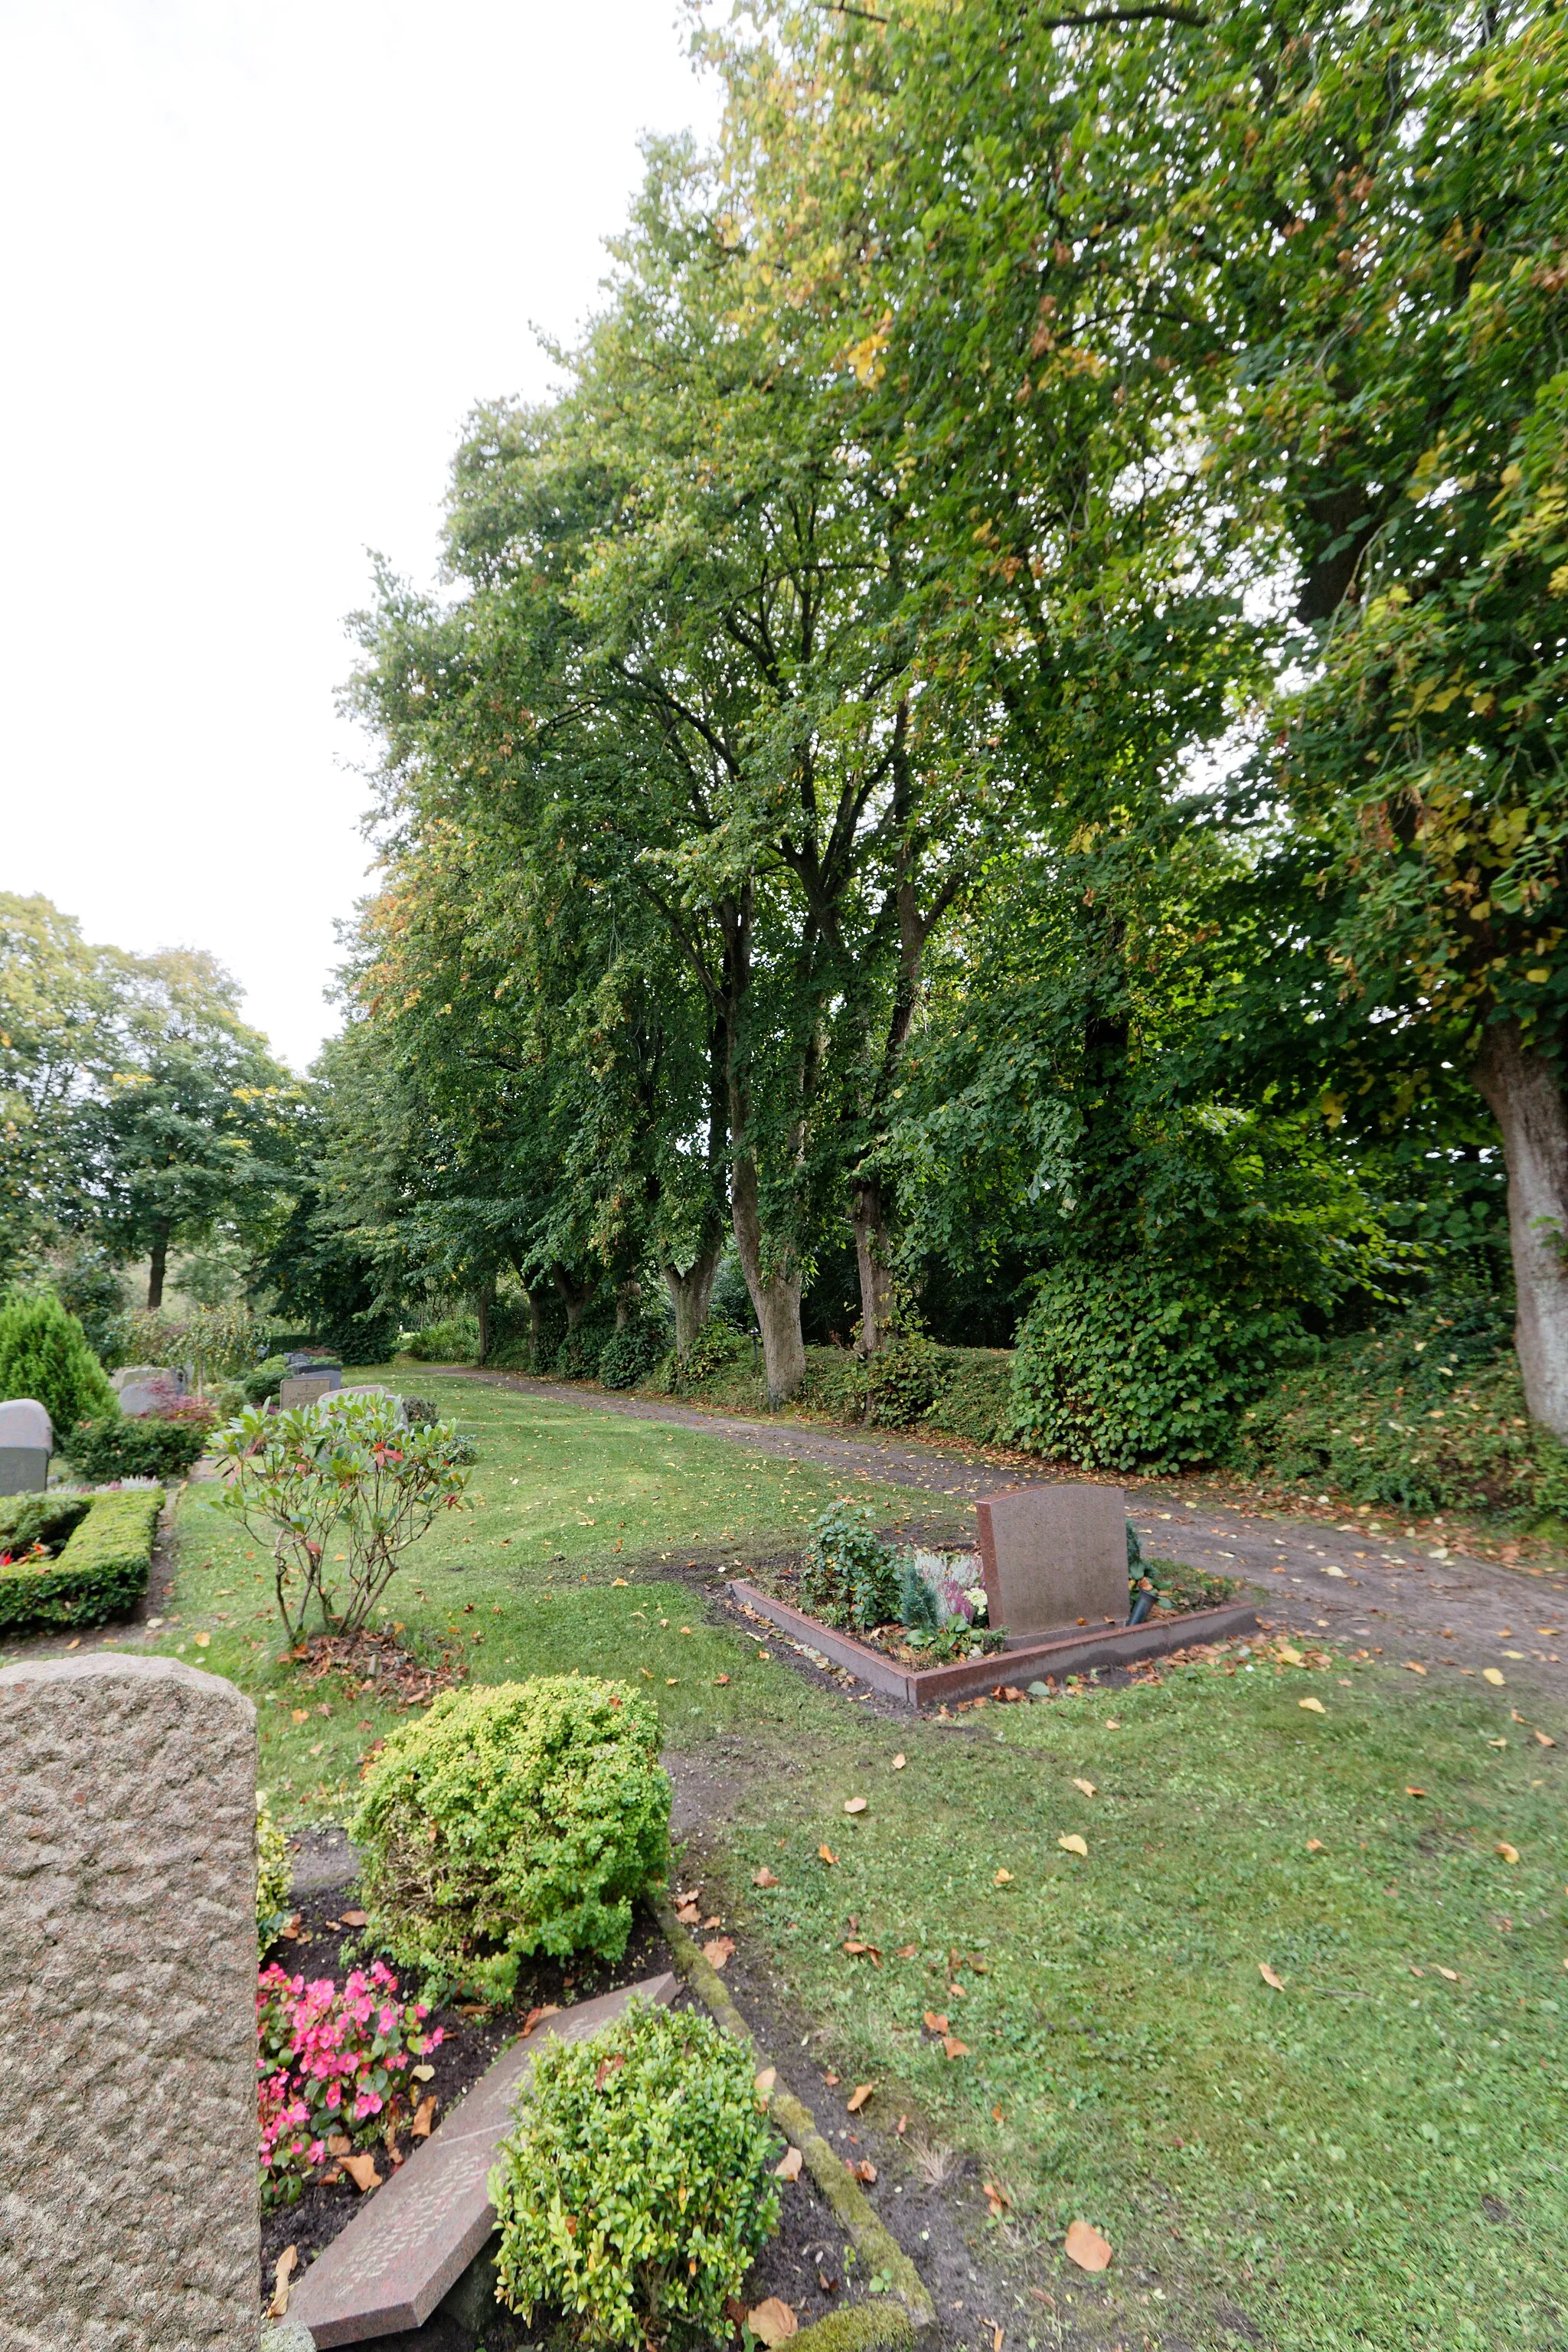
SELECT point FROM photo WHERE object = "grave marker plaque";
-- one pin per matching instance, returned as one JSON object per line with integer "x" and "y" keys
{"x": 1055, "y": 1557}
{"x": 128, "y": 2008}
{"x": 27, "y": 1442}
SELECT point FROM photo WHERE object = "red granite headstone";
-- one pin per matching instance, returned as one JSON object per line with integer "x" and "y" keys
{"x": 1054, "y": 1558}
{"x": 392, "y": 2265}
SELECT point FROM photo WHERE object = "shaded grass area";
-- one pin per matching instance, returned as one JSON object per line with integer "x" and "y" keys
{"x": 1369, "y": 2157}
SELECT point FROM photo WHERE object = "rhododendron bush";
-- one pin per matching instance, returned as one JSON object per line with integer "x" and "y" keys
{"x": 333, "y": 2069}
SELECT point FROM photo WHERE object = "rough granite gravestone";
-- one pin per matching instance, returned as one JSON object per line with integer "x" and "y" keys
{"x": 128, "y": 2201}
{"x": 27, "y": 1442}
{"x": 410, "y": 2245}
{"x": 1055, "y": 1557}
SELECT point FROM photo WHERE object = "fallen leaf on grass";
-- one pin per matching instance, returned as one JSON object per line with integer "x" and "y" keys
{"x": 789, "y": 2166}
{"x": 1087, "y": 1786}
{"x": 721, "y": 1678}
{"x": 1493, "y": 1674}
{"x": 1315, "y": 1845}
{"x": 1289, "y": 1656}
{"x": 763, "y": 1877}
{"x": 858, "y": 2097}
{"x": 362, "y": 2171}
{"x": 1003, "y": 1878}
{"x": 1544, "y": 1741}
{"x": 1413, "y": 1667}
{"x": 1314, "y": 1706}
{"x": 900, "y": 1761}
{"x": 865, "y": 2171}
{"x": 1508, "y": 1853}
{"x": 299, "y": 1713}
{"x": 997, "y": 2199}
{"x": 1085, "y": 2247}
{"x": 936, "y": 2022}
{"x": 824, "y": 1855}
{"x": 424, "y": 2116}
{"x": 954, "y": 2048}
{"x": 1451, "y": 1974}
{"x": 617, "y": 1581}
{"x": 854, "y": 1805}
{"x": 906, "y": 1951}
{"x": 202, "y": 1640}
{"x": 1267, "y": 1973}
{"x": 537, "y": 2016}
{"x": 288, "y": 2262}
{"x": 856, "y": 1949}
{"x": 718, "y": 1951}
{"x": 771, "y": 2322}
{"x": 1414, "y": 1792}
{"x": 1073, "y": 1843}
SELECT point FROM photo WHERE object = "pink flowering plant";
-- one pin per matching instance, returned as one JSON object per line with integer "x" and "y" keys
{"x": 329, "y": 2065}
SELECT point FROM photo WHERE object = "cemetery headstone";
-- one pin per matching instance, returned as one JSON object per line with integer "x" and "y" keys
{"x": 128, "y": 2008}
{"x": 27, "y": 1442}
{"x": 304, "y": 1388}
{"x": 1055, "y": 1557}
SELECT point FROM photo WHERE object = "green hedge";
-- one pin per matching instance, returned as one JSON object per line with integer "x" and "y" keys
{"x": 144, "y": 1445}
{"x": 101, "y": 1572}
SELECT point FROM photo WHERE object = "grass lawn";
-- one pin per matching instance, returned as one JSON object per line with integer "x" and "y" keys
{"x": 1374, "y": 2155}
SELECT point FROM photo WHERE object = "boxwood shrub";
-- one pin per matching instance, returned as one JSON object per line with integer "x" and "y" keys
{"x": 525, "y": 1817}
{"x": 101, "y": 1572}
{"x": 635, "y": 2190}
{"x": 147, "y": 1445}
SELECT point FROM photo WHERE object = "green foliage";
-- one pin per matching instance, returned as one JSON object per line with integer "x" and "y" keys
{"x": 901, "y": 1381}
{"x": 849, "y": 1575}
{"x": 345, "y": 1468}
{"x": 628, "y": 1355}
{"x": 717, "y": 1346}
{"x": 43, "y": 1354}
{"x": 973, "y": 1394}
{"x": 1426, "y": 1413}
{"x": 143, "y": 1445}
{"x": 100, "y": 1573}
{"x": 272, "y": 1873}
{"x": 1131, "y": 1367}
{"x": 520, "y": 1818}
{"x": 264, "y": 1380}
{"x": 454, "y": 1341}
{"x": 215, "y": 1341}
{"x": 88, "y": 1285}
{"x": 634, "y": 2191}
{"x": 46, "y": 1519}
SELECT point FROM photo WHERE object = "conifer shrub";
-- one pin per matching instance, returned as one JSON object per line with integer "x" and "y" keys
{"x": 520, "y": 1818}
{"x": 635, "y": 2190}
{"x": 43, "y": 1354}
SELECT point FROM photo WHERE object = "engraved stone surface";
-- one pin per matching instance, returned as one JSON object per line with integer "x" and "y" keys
{"x": 304, "y": 1388}
{"x": 392, "y": 2265}
{"x": 127, "y": 2203}
{"x": 1055, "y": 1557}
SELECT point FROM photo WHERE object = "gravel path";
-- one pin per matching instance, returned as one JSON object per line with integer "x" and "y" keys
{"x": 1413, "y": 1602}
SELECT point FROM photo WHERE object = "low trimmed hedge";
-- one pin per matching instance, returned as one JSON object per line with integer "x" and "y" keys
{"x": 101, "y": 1572}
{"x": 146, "y": 1446}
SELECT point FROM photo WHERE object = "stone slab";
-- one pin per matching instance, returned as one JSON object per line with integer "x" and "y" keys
{"x": 24, "y": 1470}
{"x": 128, "y": 2204}
{"x": 420, "y": 2231}
{"x": 304, "y": 1388}
{"x": 25, "y": 1423}
{"x": 920, "y": 1687}
{"x": 1054, "y": 1559}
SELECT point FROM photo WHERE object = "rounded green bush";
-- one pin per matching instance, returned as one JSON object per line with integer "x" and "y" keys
{"x": 635, "y": 2191}
{"x": 525, "y": 1817}
{"x": 149, "y": 1446}
{"x": 43, "y": 1354}
{"x": 849, "y": 1575}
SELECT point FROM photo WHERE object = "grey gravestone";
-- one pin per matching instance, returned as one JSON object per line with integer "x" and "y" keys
{"x": 27, "y": 1442}
{"x": 304, "y": 1388}
{"x": 399, "y": 2257}
{"x": 1055, "y": 1557}
{"x": 127, "y": 2008}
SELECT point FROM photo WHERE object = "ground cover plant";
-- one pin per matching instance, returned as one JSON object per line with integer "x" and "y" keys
{"x": 634, "y": 2191}
{"x": 1352, "y": 2170}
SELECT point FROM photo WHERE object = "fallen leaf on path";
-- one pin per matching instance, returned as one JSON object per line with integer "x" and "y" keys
{"x": 718, "y": 1949}
{"x": 1073, "y": 1843}
{"x": 537, "y": 2016}
{"x": 1333, "y": 1572}
{"x": 362, "y": 2171}
{"x": 1267, "y": 1973}
{"x": 830, "y": 2080}
{"x": 771, "y": 2322}
{"x": 903, "y": 2124}
{"x": 824, "y": 1855}
{"x": 858, "y": 2097}
{"x": 789, "y": 2166}
{"x": 1085, "y": 2247}
{"x": 1315, "y": 1845}
{"x": 689, "y": 1914}
{"x": 288, "y": 2260}
{"x": 1493, "y": 1674}
{"x": 865, "y": 2171}
{"x": 1003, "y": 1878}
{"x": 763, "y": 1877}
{"x": 936, "y": 2022}
{"x": 1087, "y": 1786}
{"x": 995, "y": 2335}
{"x": 954, "y": 2048}
{"x": 900, "y": 1761}
{"x": 1412, "y": 1666}
{"x": 854, "y": 1805}
{"x": 1508, "y": 1853}
{"x": 1312, "y": 1705}
{"x": 424, "y": 2116}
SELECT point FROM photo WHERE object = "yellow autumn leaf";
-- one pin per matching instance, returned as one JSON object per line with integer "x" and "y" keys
{"x": 1003, "y": 1878}
{"x": 1267, "y": 1973}
{"x": 1087, "y": 1786}
{"x": 1508, "y": 1853}
{"x": 854, "y": 1805}
{"x": 202, "y": 1641}
{"x": 1312, "y": 1705}
{"x": 1493, "y": 1674}
{"x": 1073, "y": 1843}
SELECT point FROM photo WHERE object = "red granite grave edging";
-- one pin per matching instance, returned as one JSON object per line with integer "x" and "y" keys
{"x": 921, "y": 1688}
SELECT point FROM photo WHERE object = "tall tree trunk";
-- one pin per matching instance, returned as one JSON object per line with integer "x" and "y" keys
{"x": 574, "y": 1297}
{"x": 689, "y": 1292}
{"x": 870, "y": 1223}
{"x": 158, "y": 1265}
{"x": 1525, "y": 1093}
{"x": 775, "y": 1300}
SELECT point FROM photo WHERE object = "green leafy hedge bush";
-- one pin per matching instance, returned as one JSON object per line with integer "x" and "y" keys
{"x": 454, "y": 1341}
{"x": 521, "y": 1818}
{"x": 973, "y": 1394}
{"x": 636, "y": 2190}
{"x": 101, "y": 1572}
{"x": 146, "y": 1445}
{"x": 849, "y": 1575}
{"x": 628, "y": 1355}
{"x": 43, "y": 1354}
{"x": 46, "y": 1519}
{"x": 1133, "y": 1366}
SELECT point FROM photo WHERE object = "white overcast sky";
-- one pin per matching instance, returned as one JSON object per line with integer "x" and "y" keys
{"x": 258, "y": 257}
